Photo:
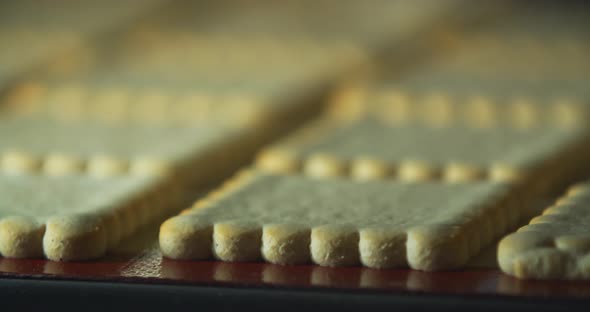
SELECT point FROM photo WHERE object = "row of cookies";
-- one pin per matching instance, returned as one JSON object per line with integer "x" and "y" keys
{"x": 79, "y": 177}
{"x": 554, "y": 245}
{"x": 93, "y": 93}
{"x": 71, "y": 185}
{"x": 110, "y": 103}
{"x": 360, "y": 189}
{"x": 60, "y": 128}
{"x": 181, "y": 41}
{"x": 75, "y": 185}
{"x": 167, "y": 58}
{"x": 370, "y": 149}
{"x": 369, "y": 23}
{"x": 38, "y": 153}
{"x": 323, "y": 216}
{"x": 407, "y": 104}
{"x": 33, "y": 33}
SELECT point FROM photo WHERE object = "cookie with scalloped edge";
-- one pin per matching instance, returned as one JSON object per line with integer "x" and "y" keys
{"x": 133, "y": 102}
{"x": 440, "y": 99}
{"x": 370, "y": 149}
{"x": 76, "y": 217}
{"x": 288, "y": 219}
{"x": 554, "y": 245}
{"x": 56, "y": 148}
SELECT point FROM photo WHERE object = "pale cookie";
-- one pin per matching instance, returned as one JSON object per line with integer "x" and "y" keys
{"x": 523, "y": 113}
{"x": 475, "y": 105}
{"x": 555, "y": 245}
{"x": 568, "y": 113}
{"x": 155, "y": 106}
{"x": 58, "y": 148}
{"x": 394, "y": 107}
{"x": 437, "y": 110}
{"x": 481, "y": 112}
{"x": 18, "y": 162}
{"x": 369, "y": 148}
{"x": 74, "y": 217}
{"x": 335, "y": 222}
{"x": 61, "y": 164}
{"x": 348, "y": 101}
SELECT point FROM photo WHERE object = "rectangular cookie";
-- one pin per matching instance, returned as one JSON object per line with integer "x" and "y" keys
{"x": 55, "y": 130}
{"x": 97, "y": 125}
{"x": 76, "y": 217}
{"x": 435, "y": 99}
{"x": 478, "y": 104}
{"x": 38, "y": 145}
{"x": 335, "y": 222}
{"x": 154, "y": 104}
{"x": 370, "y": 23}
{"x": 530, "y": 70}
{"x": 231, "y": 47}
{"x": 27, "y": 44}
{"x": 368, "y": 149}
{"x": 555, "y": 245}
{"x": 33, "y": 145}
{"x": 249, "y": 58}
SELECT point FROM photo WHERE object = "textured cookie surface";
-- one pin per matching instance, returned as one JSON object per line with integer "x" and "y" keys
{"x": 74, "y": 217}
{"x": 104, "y": 149}
{"x": 41, "y": 136}
{"x": 293, "y": 219}
{"x": 474, "y": 104}
{"x": 129, "y": 102}
{"x": 332, "y": 148}
{"x": 555, "y": 245}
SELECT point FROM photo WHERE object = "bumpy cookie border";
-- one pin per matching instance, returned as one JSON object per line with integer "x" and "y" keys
{"x": 532, "y": 253}
{"x": 439, "y": 108}
{"x": 281, "y": 157}
{"x": 421, "y": 247}
{"x": 84, "y": 236}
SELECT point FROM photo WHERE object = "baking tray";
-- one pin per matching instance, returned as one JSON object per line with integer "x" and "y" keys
{"x": 136, "y": 275}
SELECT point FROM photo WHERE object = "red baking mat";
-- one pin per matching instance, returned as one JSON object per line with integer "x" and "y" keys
{"x": 149, "y": 267}
{"x": 138, "y": 260}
